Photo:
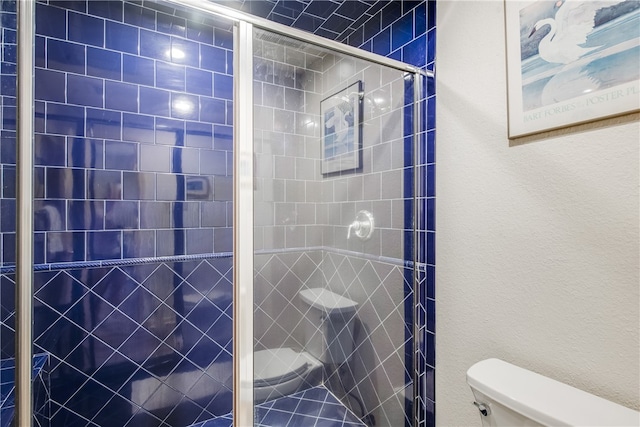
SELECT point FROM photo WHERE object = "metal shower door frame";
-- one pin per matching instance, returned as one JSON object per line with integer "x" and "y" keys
{"x": 244, "y": 24}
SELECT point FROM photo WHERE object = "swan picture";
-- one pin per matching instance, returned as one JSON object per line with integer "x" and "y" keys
{"x": 340, "y": 114}
{"x": 338, "y": 125}
{"x": 568, "y": 30}
{"x": 569, "y": 52}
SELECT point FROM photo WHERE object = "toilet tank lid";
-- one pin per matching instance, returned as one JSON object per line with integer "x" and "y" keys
{"x": 542, "y": 399}
{"x": 327, "y": 301}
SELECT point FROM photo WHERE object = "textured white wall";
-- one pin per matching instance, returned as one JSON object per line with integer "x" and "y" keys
{"x": 537, "y": 242}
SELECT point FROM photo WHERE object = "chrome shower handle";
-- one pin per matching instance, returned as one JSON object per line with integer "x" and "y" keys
{"x": 355, "y": 225}
{"x": 362, "y": 226}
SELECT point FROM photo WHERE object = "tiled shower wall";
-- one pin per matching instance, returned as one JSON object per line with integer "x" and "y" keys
{"x": 373, "y": 272}
{"x": 303, "y": 218}
{"x": 406, "y": 31}
{"x": 133, "y": 190}
{"x": 401, "y": 30}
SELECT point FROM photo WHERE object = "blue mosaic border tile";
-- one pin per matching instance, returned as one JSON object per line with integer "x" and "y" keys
{"x": 117, "y": 262}
{"x": 346, "y": 252}
{"x": 178, "y": 258}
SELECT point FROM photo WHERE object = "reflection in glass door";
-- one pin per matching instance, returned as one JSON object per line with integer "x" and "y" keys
{"x": 134, "y": 236}
{"x": 333, "y": 236}
{"x": 133, "y": 149}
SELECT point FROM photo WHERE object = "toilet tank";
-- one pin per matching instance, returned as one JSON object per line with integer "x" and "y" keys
{"x": 329, "y": 322}
{"x": 513, "y": 396}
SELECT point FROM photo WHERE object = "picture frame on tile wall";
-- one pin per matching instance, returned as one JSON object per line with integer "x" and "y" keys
{"x": 341, "y": 130}
{"x": 570, "y": 62}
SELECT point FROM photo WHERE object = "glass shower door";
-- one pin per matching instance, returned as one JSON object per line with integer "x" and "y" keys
{"x": 333, "y": 236}
{"x": 133, "y": 194}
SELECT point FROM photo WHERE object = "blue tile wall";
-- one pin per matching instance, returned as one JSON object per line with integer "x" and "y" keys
{"x": 8, "y": 205}
{"x": 133, "y": 147}
{"x": 107, "y": 48}
{"x": 40, "y": 387}
{"x": 337, "y": 19}
{"x": 146, "y": 344}
{"x": 114, "y": 97}
{"x": 407, "y": 31}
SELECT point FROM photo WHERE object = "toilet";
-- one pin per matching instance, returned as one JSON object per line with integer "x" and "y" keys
{"x": 328, "y": 319}
{"x": 507, "y": 395}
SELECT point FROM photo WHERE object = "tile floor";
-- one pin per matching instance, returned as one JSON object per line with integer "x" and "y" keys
{"x": 314, "y": 407}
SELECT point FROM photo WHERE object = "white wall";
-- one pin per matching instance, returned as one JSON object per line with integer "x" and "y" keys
{"x": 537, "y": 242}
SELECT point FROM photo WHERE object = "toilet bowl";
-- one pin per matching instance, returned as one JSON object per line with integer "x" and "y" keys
{"x": 282, "y": 371}
{"x": 328, "y": 340}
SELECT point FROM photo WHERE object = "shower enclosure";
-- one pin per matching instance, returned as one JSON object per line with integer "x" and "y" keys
{"x": 174, "y": 173}
{"x": 306, "y": 211}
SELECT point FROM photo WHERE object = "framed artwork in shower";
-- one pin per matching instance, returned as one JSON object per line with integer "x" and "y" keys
{"x": 570, "y": 62}
{"x": 341, "y": 132}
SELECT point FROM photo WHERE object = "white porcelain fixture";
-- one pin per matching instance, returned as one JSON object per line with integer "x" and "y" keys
{"x": 280, "y": 371}
{"x": 328, "y": 325}
{"x": 328, "y": 339}
{"x": 507, "y": 395}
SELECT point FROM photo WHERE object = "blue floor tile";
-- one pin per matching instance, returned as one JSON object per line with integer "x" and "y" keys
{"x": 313, "y": 407}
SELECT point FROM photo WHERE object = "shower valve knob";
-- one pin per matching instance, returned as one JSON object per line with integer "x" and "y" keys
{"x": 362, "y": 227}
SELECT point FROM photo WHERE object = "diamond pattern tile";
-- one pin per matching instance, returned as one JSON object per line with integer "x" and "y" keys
{"x": 140, "y": 304}
{"x": 377, "y": 371}
{"x": 115, "y": 287}
{"x": 125, "y": 340}
{"x": 316, "y": 406}
{"x": 161, "y": 281}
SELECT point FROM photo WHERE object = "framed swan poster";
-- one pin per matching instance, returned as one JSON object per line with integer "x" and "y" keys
{"x": 341, "y": 141}
{"x": 571, "y": 62}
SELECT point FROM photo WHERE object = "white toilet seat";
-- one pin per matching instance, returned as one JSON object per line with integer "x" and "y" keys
{"x": 276, "y": 365}
{"x": 280, "y": 371}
